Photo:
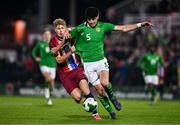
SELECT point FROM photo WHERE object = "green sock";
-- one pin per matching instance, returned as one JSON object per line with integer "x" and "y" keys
{"x": 50, "y": 89}
{"x": 105, "y": 102}
{"x": 150, "y": 91}
{"x": 153, "y": 93}
{"x": 109, "y": 91}
{"x": 46, "y": 85}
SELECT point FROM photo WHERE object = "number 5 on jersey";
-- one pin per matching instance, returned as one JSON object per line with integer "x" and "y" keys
{"x": 88, "y": 37}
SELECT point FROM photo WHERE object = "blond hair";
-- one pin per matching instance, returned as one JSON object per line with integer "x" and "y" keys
{"x": 59, "y": 21}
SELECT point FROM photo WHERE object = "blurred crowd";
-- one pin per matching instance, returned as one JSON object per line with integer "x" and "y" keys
{"x": 164, "y": 6}
{"x": 123, "y": 50}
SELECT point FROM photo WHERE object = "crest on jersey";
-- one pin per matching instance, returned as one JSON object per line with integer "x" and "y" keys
{"x": 47, "y": 49}
{"x": 98, "y": 29}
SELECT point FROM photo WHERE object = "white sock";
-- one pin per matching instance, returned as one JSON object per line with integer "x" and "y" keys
{"x": 47, "y": 93}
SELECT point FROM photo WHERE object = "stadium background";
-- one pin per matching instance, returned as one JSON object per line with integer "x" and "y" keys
{"x": 22, "y": 21}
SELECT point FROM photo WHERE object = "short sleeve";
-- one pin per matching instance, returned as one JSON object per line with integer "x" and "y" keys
{"x": 108, "y": 27}
{"x": 73, "y": 32}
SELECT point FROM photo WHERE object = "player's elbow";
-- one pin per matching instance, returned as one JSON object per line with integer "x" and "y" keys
{"x": 124, "y": 29}
{"x": 121, "y": 28}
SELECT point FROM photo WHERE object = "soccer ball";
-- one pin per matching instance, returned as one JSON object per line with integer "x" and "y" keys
{"x": 90, "y": 105}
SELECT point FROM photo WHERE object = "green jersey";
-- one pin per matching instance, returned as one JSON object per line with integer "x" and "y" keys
{"x": 150, "y": 63}
{"x": 89, "y": 42}
{"x": 42, "y": 50}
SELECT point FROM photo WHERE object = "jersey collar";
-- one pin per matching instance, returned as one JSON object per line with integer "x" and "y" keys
{"x": 85, "y": 23}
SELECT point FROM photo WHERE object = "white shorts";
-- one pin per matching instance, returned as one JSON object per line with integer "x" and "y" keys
{"x": 153, "y": 79}
{"x": 50, "y": 70}
{"x": 92, "y": 70}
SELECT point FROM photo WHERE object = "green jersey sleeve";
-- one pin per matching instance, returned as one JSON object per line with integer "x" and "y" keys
{"x": 76, "y": 31}
{"x": 73, "y": 32}
{"x": 108, "y": 27}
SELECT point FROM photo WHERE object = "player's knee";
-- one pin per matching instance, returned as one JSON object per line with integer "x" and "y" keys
{"x": 104, "y": 83}
{"x": 50, "y": 79}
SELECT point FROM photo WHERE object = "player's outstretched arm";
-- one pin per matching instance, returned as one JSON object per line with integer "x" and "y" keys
{"x": 131, "y": 27}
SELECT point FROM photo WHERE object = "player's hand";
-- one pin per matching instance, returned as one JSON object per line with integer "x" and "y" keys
{"x": 146, "y": 24}
{"x": 67, "y": 34}
{"x": 73, "y": 49}
{"x": 38, "y": 59}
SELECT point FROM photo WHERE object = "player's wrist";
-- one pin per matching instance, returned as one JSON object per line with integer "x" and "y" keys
{"x": 139, "y": 25}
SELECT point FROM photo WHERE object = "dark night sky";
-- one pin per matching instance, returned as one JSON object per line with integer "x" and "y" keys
{"x": 14, "y": 9}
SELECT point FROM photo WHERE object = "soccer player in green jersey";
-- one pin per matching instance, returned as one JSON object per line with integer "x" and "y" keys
{"x": 42, "y": 54}
{"x": 89, "y": 44}
{"x": 149, "y": 64}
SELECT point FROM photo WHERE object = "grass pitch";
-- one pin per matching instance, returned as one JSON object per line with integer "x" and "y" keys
{"x": 33, "y": 110}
